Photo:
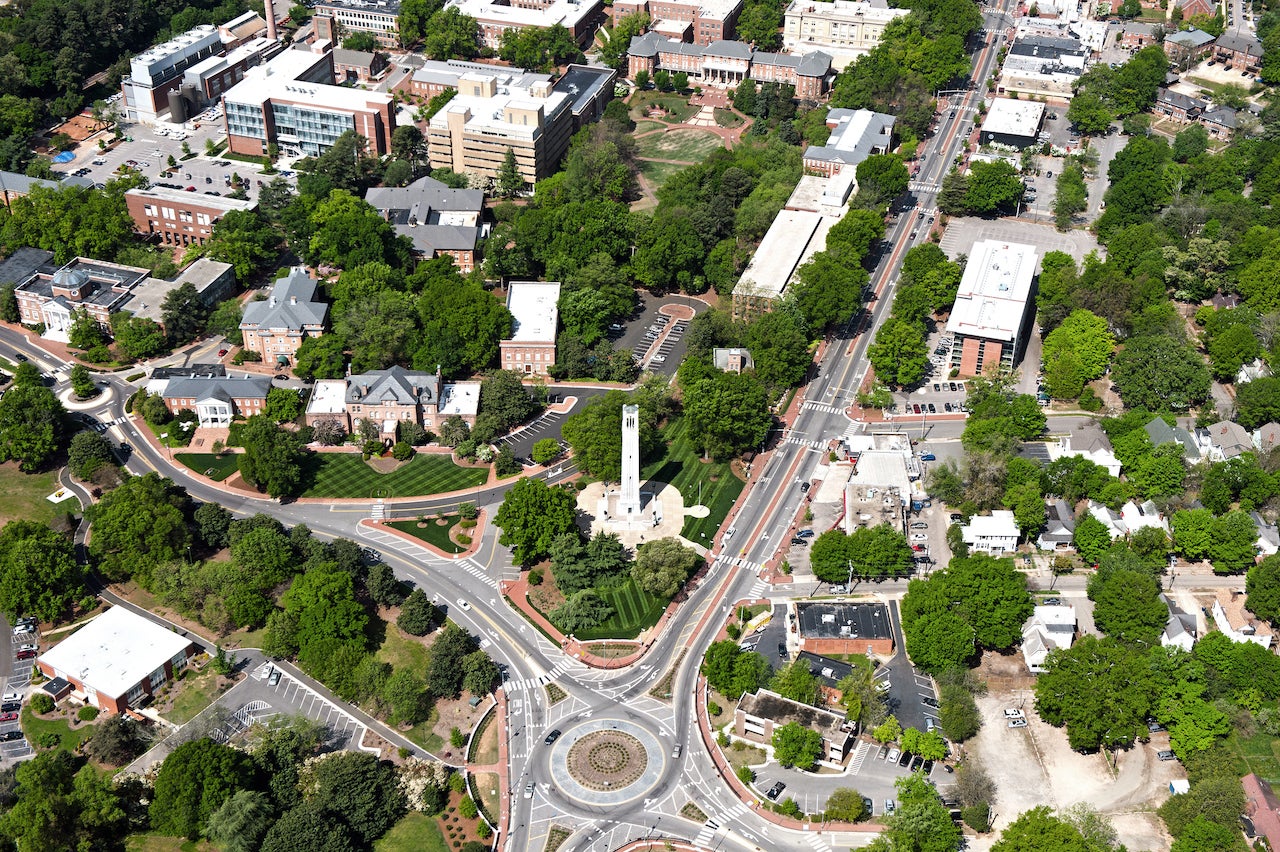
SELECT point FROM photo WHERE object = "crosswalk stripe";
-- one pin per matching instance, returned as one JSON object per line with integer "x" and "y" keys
{"x": 476, "y": 571}
{"x": 821, "y": 406}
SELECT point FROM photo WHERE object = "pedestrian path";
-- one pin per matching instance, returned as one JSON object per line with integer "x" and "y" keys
{"x": 818, "y": 843}
{"x": 476, "y": 571}
{"x": 104, "y": 425}
{"x": 758, "y": 589}
{"x": 709, "y": 829}
{"x": 539, "y": 679}
{"x": 815, "y": 444}
{"x": 860, "y": 753}
{"x": 821, "y": 406}
{"x": 378, "y": 512}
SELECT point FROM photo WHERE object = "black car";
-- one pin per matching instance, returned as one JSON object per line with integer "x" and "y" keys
{"x": 915, "y": 763}
{"x": 804, "y": 487}
{"x": 869, "y": 805}
{"x": 905, "y": 759}
{"x": 775, "y": 791}
{"x": 797, "y": 540}
{"x": 552, "y": 736}
{"x": 782, "y": 649}
{"x": 10, "y": 736}
{"x": 11, "y": 707}
{"x": 928, "y": 701}
{"x": 927, "y": 768}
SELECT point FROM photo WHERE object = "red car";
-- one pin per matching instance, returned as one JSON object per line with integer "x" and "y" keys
{"x": 26, "y": 655}
{"x": 8, "y": 717}
{"x": 191, "y": 189}
{"x": 222, "y": 352}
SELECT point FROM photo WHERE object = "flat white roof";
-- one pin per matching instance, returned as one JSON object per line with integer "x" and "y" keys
{"x": 115, "y": 652}
{"x": 994, "y": 291}
{"x": 999, "y": 523}
{"x": 328, "y": 396}
{"x": 852, "y": 11}
{"x": 1059, "y": 615}
{"x": 779, "y": 253}
{"x": 567, "y": 13}
{"x": 178, "y": 196}
{"x": 278, "y": 79}
{"x": 533, "y": 306}
{"x": 1014, "y": 118}
{"x": 461, "y": 398}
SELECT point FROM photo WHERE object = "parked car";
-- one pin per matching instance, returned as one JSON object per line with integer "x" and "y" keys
{"x": 8, "y": 717}
{"x": 552, "y": 736}
{"x": 782, "y": 650}
{"x": 28, "y": 647}
{"x": 1013, "y": 713}
{"x": 894, "y": 754}
{"x": 927, "y": 768}
{"x": 931, "y": 456}
{"x": 805, "y": 486}
{"x": 919, "y": 537}
{"x": 1166, "y": 755}
{"x": 25, "y": 655}
{"x": 775, "y": 791}
{"x": 1017, "y": 723}
{"x": 905, "y": 759}
{"x": 10, "y": 736}
{"x": 222, "y": 352}
{"x": 798, "y": 541}
{"x": 869, "y": 805}
{"x": 890, "y": 806}
{"x": 11, "y": 696}
{"x": 919, "y": 525}
{"x": 805, "y": 534}
{"x": 274, "y": 679}
{"x": 929, "y": 701}
{"x": 10, "y": 707}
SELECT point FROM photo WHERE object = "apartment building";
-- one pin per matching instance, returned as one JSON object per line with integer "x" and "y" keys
{"x": 728, "y": 63}
{"x": 992, "y": 314}
{"x": 334, "y": 19}
{"x": 698, "y": 21}
{"x": 531, "y": 349}
{"x": 179, "y": 218}
{"x": 276, "y": 327}
{"x": 437, "y": 219}
{"x": 495, "y": 17}
{"x": 291, "y": 102}
{"x": 845, "y": 29}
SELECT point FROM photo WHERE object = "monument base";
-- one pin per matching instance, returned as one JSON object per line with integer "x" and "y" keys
{"x": 611, "y": 514}
{"x": 659, "y": 499}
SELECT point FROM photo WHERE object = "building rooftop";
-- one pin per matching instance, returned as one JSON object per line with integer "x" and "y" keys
{"x": 992, "y": 299}
{"x": 279, "y": 78}
{"x": 115, "y": 651}
{"x": 434, "y": 216}
{"x": 165, "y": 373}
{"x": 147, "y": 297}
{"x": 829, "y": 672}
{"x": 220, "y": 388}
{"x": 779, "y": 254}
{"x": 342, "y": 56}
{"x": 1192, "y": 38}
{"x": 378, "y": 7}
{"x": 395, "y": 385}
{"x": 582, "y": 84}
{"x": 23, "y": 263}
{"x": 20, "y": 184}
{"x": 999, "y": 524}
{"x": 487, "y": 115}
{"x": 568, "y": 13}
{"x": 857, "y": 134}
{"x": 533, "y": 309}
{"x": 178, "y": 196}
{"x": 844, "y": 621}
{"x": 460, "y": 398}
{"x": 770, "y": 705}
{"x": 291, "y": 305}
{"x": 97, "y": 282}
{"x": 328, "y": 396}
{"x": 161, "y": 61}
{"x": 1011, "y": 117}
{"x": 1240, "y": 43}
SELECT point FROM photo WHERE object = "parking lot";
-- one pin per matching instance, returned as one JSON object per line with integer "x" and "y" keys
{"x": 13, "y": 746}
{"x": 655, "y": 340}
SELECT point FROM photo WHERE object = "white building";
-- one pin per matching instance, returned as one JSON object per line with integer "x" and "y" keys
{"x": 1012, "y": 122}
{"x": 1180, "y": 631}
{"x": 855, "y": 135}
{"x": 996, "y": 533}
{"x": 1048, "y": 629}
{"x": 531, "y": 349}
{"x": 1131, "y": 518}
{"x": 992, "y": 313}
{"x": 1088, "y": 442}
{"x": 158, "y": 70}
{"x": 1245, "y": 633}
{"x": 845, "y": 29}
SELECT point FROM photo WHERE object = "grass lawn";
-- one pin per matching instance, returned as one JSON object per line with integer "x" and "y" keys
{"x": 634, "y": 610}
{"x": 422, "y": 734}
{"x": 214, "y": 466}
{"x": 22, "y": 495}
{"x": 682, "y": 466}
{"x": 677, "y": 106}
{"x": 34, "y": 727}
{"x": 486, "y": 785}
{"x": 401, "y": 651}
{"x": 1257, "y": 754}
{"x": 415, "y": 832}
{"x": 658, "y": 173}
{"x": 728, "y": 118}
{"x": 160, "y": 843}
{"x": 195, "y": 692}
{"x": 345, "y": 475}
{"x": 484, "y": 745}
{"x": 646, "y": 125}
{"x": 434, "y": 533}
{"x": 684, "y": 144}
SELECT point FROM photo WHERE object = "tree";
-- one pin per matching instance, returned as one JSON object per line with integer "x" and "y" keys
{"x": 356, "y": 788}
{"x": 272, "y": 457}
{"x": 321, "y": 358}
{"x": 1087, "y": 336}
{"x": 117, "y": 740}
{"x": 242, "y": 821}
{"x": 504, "y": 400}
{"x": 845, "y": 805}
{"x": 595, "y": 434}
{"x": 414, "y": 18}
{"x": 1089, "y": 114}
{"x": 137, "y": 337}
{"x": 1233, "y": 544}
{"x": 779, "y": 346}
{"x": 184, "y": 313}
{"x": 510, "y": 181}
{"x": 307, "y": 827}
{"x": 795, "y": 745}
{"x": 992, "y": 186}
{"x": 56, "y": 803}
{"x": 1127, "y": 606}
{"x": 928, "y": 745}
{"x": 1219, "y": 801}
{"x": 1071, "y": 196}
{"x": 900, "y": 354}
{"x": 41, "y": 576}
{"x": 958, "y": 714}
{"x": 1160, "y": 373}
{"x": 451, "y": 35}
{"x": 88, "y": 452}
{"x": 545, "y": 450}
{"x": 921, "y": 822}
{"x": 1039, "y": 829}
{"x": 531, "y": 516}
{"x": 1099, "y": 689}
{"x": 32, "y": 422}
{"x": 727, "y": 413}
{"x": 1258, "y": 402}
{"x": 416, "y": 614}
{"x": 796, "y": 682}
{"x": 882, "y": 178}
{"x": 213, "y": 525}
{"x": 137, "y": 526}
{"x": 662, "y": 566}
{"x": 445, "y": 672}
{"x": 1091, "y": 538}
{"x": 462, "y": 323}
{"x": 194, "y": 781}
{"x": 85, "y": 333}
{"x": 480, "y": 673}
{"x": 383, "y": 587}
{"x": 732, "y": 671}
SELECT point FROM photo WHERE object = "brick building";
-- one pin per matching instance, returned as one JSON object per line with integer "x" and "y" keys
{"x": 845, "y": 628}
{"x": 118, "y": 660}
{"x": 855, "y": 135}
{"x": 727, "y": 63}
{"x": 759, "y": 714}
{"x": 393, "y": 396}
{"x": 845, "y": 29}
{"x": 358, "y": 66}
{"x": 217, "y": 400}
{"x": 1238, "y": 52}
{"x": 1135, "y": 35}
{"x": 698, "y": 21}
{"x": 437, "y": 219}
{"x": 992, "y": 314}
{"x": 334, "y": 19}
{"x": 51, "y": 297}
{"x": 531, "y": 349}
{"x": 276, "y": 327}
{"x": 495, "y": 17}
{"x": 14, "y": 186}
{"x": 179, "y": 218}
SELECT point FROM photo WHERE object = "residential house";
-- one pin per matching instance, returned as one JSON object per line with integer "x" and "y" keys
{"x": 160, "y": 377}
{"x": 118, "y": 660}
{"x": 436, "y": 218}
{"x": 1135, "y": 35}
{"x": 1268, "y": 543}
{"x": 1221, "y": 122}
{"x": 531, "y": 349}
{"x": 1237, "y": 623}
{"x": 1238, "y": 52}
{"x": 1161, "y": 432}
{"x": 1267, "y": 437}
{"x": 217, "y": 400}
{"x": 997, "y": 533}
{"x": 1224, "y": 440}
{"x": 1049, "y": 628}
{"x": 1180, "y": 631}
{"x": 276, "y": 327}
{"x": 844, "y": 628}
{"x": 1255, "y": 369}
{"x": 733, "y": 360}
{"x": 1178, "y": 106}
{"x": 1059, "y": 529}
{"x": 1087, "y": 442}
{"x": 1131, "y": 518}
{"x": 1262, "y": 809}
{"x": 760, "y": 713}
{"x": 395, "y": 395}
{"x": 1187, "y": 46}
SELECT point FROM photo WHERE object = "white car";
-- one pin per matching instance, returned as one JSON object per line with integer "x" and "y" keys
{"x": 919, "y": 537}
{"x": 1017, "y": 723}
{"x": 1013, "y": 713}
{"x": 658, "y": 359}
{"x": 9, "y": 697}
{"x": 28, "y": 647}
{"x": 462, "y": 602}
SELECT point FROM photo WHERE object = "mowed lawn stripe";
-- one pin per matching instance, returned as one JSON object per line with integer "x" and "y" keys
{"x": 682, "y": 467}
{"x": 342, "y": 475}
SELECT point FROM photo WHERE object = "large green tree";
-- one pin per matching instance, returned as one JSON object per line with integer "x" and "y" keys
{"x": 137, "y": 526}
{"x": 1127, "y": 606}
{"x": 194, "y": 781}
{"x": 41, "y": 576}
{"x": 272, "y": 457}
{"x": 1262, "y": 586}
{"x": 727, "y": 413}
{"x": 900, "y": 353}
{"x": 796, "y": 745}
{"x": 1160, "y": 373}
{"x": 1100, "y": 689}
{"x": 32, "y": 425}
{"x": 531, "y": 516}
{"x": 661, "y": 566}
{"x": 1038, "y": 830}
{"x": 595, "y": 434}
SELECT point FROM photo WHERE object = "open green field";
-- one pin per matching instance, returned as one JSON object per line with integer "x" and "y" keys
{"x": 401, "y": 651}
{"x": 645, "y": 125}
{"x": 415, "y": 832}
{"x": 345, "y": 475}
{"x": 728, "y": 118}
{"x": 677, "y": 106}
{"x": 684, "y": 143}
{"x": 434, "y": 533}
{"x": 35, "y": 727}
{"x": 658, "y": 173}
{"x": 633, "y": 611}
{"x": 1258, "y": 754}
{"x": 22, "y": 495}
{"x": 160, "y": 843}
{"x": 682, "y": 466}
{"x": 211, "y": 465}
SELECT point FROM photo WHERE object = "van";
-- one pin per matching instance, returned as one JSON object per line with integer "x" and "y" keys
{"x": 676, "y": 749}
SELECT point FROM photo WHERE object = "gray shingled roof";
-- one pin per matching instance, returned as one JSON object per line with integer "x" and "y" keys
{"x": 397, "y": 385}
{"x": 1239, "y": 43}
{"x": 815, "y": 64}
{"x": 424, "y": 194}
{"x": 291, "y": 305}
{"x": 1190, "y": 38}
{"x": 225, "y": 389}
{"x": 731, "y": 49}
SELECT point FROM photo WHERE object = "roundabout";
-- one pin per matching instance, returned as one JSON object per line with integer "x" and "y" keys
{"x": 606, "y": 762}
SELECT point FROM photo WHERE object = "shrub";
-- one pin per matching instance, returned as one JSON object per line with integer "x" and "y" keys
{"x": 49, "y": 739}
{"x": 456, "y": 738}
{"x": 463, "y": 539}
{"x": 1090, "y": 401}
{"x": 746, "y": 774}
{"x": 401, "y": 451}
{"x": 535, "y": 577}
{"x": 457, "y": 783}
{"x": 372, "y": 448}
{"x": 977, "y": 817}
{"x": 468, "y": 511}
{"x": 483, "y": 830}
{"x": 87, "y": 714}
{"x": 41, "y": 702}
{"x": 713, "y": 708}
{"x": 467, "y": 523}
{"x": 722, "y": 739}
{"x": 734, "y": 631}
{"x": 467, "y": 807}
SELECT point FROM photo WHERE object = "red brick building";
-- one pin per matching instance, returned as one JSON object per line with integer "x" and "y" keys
{"x": 728, "y": 63}
{"x": 827, "y": 629}
{"x": 708, "y": 20}
{"x": 179, "y": 218}
{"x": 531, "y": 349}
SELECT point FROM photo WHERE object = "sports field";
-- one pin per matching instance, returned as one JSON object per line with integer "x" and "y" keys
{"x": 682, "y": 466}
{"x": 633, "y": 611}
{"x": 347, "y": 476}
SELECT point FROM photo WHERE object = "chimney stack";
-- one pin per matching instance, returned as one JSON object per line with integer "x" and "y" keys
{"x": 271, "y": 20}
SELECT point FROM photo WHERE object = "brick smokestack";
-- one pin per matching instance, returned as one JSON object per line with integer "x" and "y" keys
{"x": 271, "y": 20}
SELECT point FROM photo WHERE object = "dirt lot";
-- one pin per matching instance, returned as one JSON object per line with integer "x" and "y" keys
{"x": 1035, "y": 766}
